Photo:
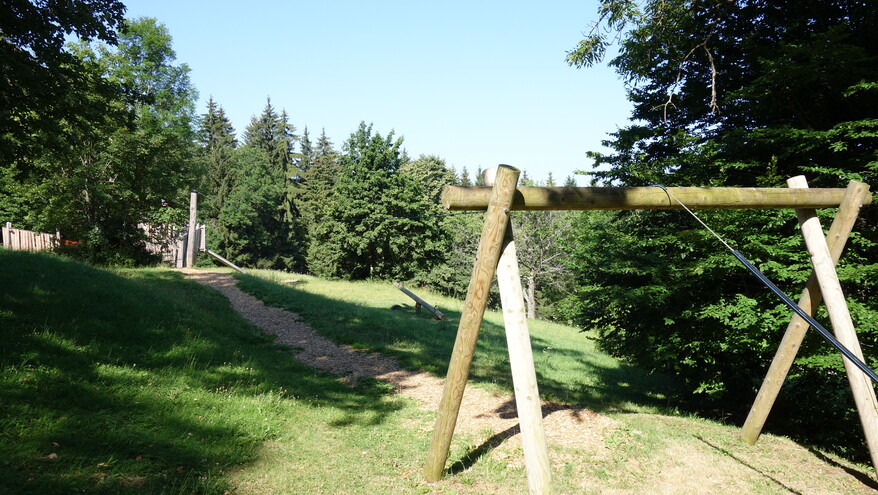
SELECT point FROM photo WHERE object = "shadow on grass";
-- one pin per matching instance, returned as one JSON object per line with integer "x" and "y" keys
{"x": 746, "y": 464}
{"x": 860, "y": 476}
{"x": 419, "y": 343}
{"x": 142, "y": 383}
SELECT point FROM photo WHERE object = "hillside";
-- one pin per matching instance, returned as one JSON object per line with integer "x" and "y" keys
{"x": 141, "y": 381}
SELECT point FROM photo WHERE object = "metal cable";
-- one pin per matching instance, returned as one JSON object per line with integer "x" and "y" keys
{"x": 789, "y": 302}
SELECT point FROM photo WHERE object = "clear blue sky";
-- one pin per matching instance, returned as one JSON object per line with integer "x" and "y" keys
{"x": 476, "y": 83}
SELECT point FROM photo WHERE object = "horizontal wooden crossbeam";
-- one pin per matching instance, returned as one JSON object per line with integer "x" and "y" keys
{"x": 458, "y": 198}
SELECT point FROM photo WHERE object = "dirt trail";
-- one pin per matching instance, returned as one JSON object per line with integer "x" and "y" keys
{"x": 680, "y": 465}
{"x": 480, "y": 411}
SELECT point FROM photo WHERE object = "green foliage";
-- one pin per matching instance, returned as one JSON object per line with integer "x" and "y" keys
{"x": 378, "y": 222}
{"x": 432, "y": 174}
{"x": 45, "y": 90}
{"x": 734, "y": 94}
{"x": 251, "y": 217}
{"x": 216, "y": 138}
{"x": 262, "y": 191}
{"x": 116, "y": 173}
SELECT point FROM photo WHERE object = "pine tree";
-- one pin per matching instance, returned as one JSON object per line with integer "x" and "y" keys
{"x": 273, "y": 134}
{"x": 306, "y": 155}
{"x": 464, "y": 179}
{"x": 431, "y": 173}
{"x": 314, "y": 204}
{"x": 216, "y": 136}
{"x": 377, "y": 227}
{"x": 480, "y": 177}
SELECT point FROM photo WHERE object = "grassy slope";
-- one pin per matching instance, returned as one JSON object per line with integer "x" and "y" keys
{"x": 653, "y": 450}
{"x": 141, "y": 382}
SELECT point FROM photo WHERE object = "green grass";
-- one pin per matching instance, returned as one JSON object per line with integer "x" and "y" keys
{"x": 141, "y": 382}
{"x": 138, "y": 381}
{"x": 569, "y": 368}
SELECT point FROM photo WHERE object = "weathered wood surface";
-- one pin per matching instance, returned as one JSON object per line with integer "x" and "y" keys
{"x": 439, "y": 314}
{"x": 223, "y": 260}
{"x": 811, "y": 297}
{"x": 524, "y": 376}
{"x": 646, "y": 198}
{"x": 490, "y": 245}
{"x": 191, "y": 239}
{"x": 842, "y": 325}
{"x": 26, "y": 240}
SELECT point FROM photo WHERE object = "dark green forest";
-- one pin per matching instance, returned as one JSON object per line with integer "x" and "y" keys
{"x": 101, "y": 134}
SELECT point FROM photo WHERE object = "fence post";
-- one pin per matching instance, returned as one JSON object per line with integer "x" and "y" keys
{"x": 191, "y": 246}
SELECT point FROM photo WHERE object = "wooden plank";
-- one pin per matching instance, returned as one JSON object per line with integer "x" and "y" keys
{"x": 842, "y": 326}
{"x": 524, "y": 376}
{"x": 488, "y": 255}
{"x": 646, "y": 198}
{"x": 420, "y": 301}
{"x": 839, "y": 231}
{"x": 224, "y": 261}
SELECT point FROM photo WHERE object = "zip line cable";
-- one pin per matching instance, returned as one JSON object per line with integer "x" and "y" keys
{"x": 786, "y": 299}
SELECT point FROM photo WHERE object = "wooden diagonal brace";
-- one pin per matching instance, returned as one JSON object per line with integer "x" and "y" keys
{"x": 841, "y": 228}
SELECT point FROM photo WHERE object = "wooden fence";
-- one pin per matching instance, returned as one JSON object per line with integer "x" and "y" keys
{"x": 167, "y": 240}
{"x": 171, "y": 242}
{"x": 26, "y": 240}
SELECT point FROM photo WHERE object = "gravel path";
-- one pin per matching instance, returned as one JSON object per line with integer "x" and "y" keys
{"x": 480, "y": 411}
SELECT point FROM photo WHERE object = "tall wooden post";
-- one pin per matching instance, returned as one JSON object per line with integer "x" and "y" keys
{"x": 191, "y": 246}
{"x": 842, "y": 325}
{"x": 786, "y": 353}
{"x": 524, "y": 376}
{"x": 490, "y": 244}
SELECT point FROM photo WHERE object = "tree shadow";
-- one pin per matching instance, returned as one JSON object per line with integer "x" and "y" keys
{"x": 860, "y": 476}
{"x": 117, "y": 384}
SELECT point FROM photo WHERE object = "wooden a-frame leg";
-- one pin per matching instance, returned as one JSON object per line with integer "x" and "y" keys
{"x": 490, "y": 245}
{"x": 843, "y": 327}
{"x": 524, "y": 377}
{"x": 841, "y": 228}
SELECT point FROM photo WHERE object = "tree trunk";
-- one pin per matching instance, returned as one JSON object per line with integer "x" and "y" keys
{"x": 531, "y": 296}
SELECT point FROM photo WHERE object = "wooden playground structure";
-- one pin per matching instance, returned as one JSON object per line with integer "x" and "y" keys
{"x": 497, "y": 255}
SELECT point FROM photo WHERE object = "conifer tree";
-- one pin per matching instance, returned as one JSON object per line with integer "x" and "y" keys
{"x": 216, "y": 136}
{"x": 307, "y": 153}
{"x": 315, "y": 204}
{"x": 377, "y": 226}
{"x": 275, "y": 135}
{"x": 463, "y": 179}
{"x": 431, "y": 173}
{"x": 480, "y": 177}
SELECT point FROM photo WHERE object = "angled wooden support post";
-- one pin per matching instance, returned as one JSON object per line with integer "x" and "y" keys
{"x": 841, "y": 228}
{"x": 524, "y": 376}
{"x": 842, "y": 326}
{"x": 490, "y": 245}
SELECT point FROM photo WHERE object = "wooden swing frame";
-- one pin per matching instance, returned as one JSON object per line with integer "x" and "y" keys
{"x": 497, "y": 254}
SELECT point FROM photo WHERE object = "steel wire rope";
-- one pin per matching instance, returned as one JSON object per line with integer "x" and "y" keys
{"x": 786, "y": 299}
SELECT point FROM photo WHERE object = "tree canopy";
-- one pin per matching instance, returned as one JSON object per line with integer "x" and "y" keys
{"x": 732, "y": 93}
{"x": 41, "y": 87}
